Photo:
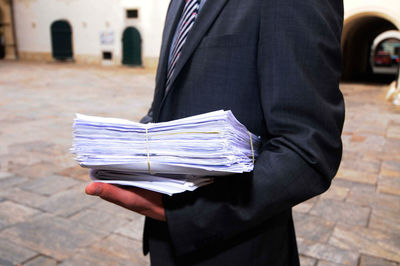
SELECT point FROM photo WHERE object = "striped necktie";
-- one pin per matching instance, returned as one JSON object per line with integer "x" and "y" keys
{"x": 189, "y": 15}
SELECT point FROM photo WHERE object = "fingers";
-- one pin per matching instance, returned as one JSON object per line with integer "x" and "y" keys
{"x": 135, "y": 199}
{"x": 93, "y": 189}
{"x": 114, "y": 194}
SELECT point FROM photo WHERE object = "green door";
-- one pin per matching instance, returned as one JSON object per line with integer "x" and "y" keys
{"x": 2, "y": 37}
{"x": 61, "y": 40}
{"x": 131, "y": 47}
{"x": 2, "y": 45}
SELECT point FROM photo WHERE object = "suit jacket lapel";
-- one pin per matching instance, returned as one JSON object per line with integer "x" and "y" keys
{"x": 208, "y": 14}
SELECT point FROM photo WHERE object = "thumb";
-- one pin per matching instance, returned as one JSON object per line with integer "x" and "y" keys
{"x": 94, "y": 189}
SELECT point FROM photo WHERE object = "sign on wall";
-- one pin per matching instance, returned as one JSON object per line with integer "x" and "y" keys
{"x": 107, "y": 37}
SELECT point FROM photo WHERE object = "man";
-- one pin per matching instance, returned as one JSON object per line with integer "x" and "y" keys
{"x": 276, "y": 65}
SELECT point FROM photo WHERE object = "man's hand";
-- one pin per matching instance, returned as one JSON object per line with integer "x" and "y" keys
{"x": 142, "y": 201}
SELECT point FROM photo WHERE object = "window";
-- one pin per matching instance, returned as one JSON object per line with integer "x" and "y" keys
{"x": 107, "y": 56}
{"x": 132, "y": 13}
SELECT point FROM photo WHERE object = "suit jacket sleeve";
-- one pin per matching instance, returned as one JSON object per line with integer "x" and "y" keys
{"x": 298, "y": 71}
{"x": 148, "y": 118}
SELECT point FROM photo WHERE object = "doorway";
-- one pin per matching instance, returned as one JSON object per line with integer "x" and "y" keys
{"x": 61, "y": 40}
{"x": 2, "y": 38}
{"x": 131, "y": 47}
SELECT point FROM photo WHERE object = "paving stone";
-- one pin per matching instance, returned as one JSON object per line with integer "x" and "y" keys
{"x": 390, "y": 169}
{"x": 4, "y": 262}
{"x": 12, "y": 254}
{"x": 361, "y": 188}
{"x": 390, "y": 185}
{"x": 312, "y": 227}
{"x": 305, "y": 206}
{"x": 360, "y": 164}
{"x": 372, "y": 144}
{"x": 122, "y": 247}
{"x": 365, "y": 127}
{"x": 301, "y": 243}
{"x": 52, "y": 236}
{"x": 33, "y": 157}
{"x": 389, "y": 178}
{"x": 357, "y": 176}
{"x": 76, "y": 172}
{"x": 366, "y": 141}
{"x": 336, "y": 193}
{"x": 350, "y": 156}
{"x": 5, "y": 175}
{"x": 11, "y": 213}
{"x": 373, "y": 261}
{"x": 105, "y": 206}
{"x": 351, "y": 162}
{"x": 391, "y": 150}
{"x": 9, "y": 182}
{"x": 385, "y": 220}
{"x": 41, "y": 146}
{"x": 338, "y": 211}
{"x": 329, "y": 253}
{"x": 49, "y": 185}
{"x": 307, "y": 261}
{"x": 357, "y": 138}
{"x": 367, "y": 241}
{"x": 12, "y": 161}
{"x": 23, "y": 197}
{"x": 36, "y": 170}
{"x": 328, "y": 263}
{"x": 393, "y": 131}
{"x": 368, "y": 175}
{"x": 96, "y": 257}
{"x": 133, "y": 229}
{"x": 352, "y": 184}
{"x": 41, "y": 261}
{"x": 100, "y": 221}
{"x": 68, "y": 202}
{"x": 364, "y": 196}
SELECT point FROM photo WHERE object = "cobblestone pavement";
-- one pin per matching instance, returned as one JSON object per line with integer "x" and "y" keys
{"x": 46, "y": 219}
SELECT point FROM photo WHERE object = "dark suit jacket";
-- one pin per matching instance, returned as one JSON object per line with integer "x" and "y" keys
{"x": 276, "y": 65}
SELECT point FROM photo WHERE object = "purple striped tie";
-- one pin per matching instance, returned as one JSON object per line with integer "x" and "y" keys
{"x": 189, "y": 15}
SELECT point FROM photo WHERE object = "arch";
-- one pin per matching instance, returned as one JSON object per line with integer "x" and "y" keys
{"x": 385, "y": 52}
{"x": 131, "y": 47}
{"x": 375, "y": 11}
{"x": 359, "y": 32}
{"x": 61, "y": 40}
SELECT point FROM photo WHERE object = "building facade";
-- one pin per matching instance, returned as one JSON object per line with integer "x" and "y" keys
{"x": 90, "y": 31}
{"x": 129, "y": 32}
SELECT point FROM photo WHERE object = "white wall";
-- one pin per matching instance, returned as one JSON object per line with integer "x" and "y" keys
{"x": 389, "y": 9}
{"x": 88, "y": 19}
{"x": 150, "y": 22}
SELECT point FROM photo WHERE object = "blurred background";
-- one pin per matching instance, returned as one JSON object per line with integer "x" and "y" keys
{"x": 128, "y": 32}
{"x": 99, "y": 57}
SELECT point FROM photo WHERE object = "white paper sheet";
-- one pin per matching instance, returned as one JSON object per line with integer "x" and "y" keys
{"x": 210, "y": 144}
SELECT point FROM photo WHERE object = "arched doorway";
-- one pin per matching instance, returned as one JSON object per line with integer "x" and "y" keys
{"x": 2, "y": 37}
{"x": 385, "y": 53}
{"x": 358, "y": 36}
{"x": 131, "y": 47}
{"x": 61, "y": 40}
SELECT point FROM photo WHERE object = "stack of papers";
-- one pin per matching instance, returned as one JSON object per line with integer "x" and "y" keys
{"x": 168, "y": 157}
